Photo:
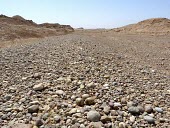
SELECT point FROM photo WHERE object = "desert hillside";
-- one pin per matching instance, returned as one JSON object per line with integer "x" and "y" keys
{"x": 17, "y": 27}
{"x": 154, "y": 25}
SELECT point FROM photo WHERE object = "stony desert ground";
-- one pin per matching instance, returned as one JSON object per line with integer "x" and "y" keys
{"x": 88, "y": 78}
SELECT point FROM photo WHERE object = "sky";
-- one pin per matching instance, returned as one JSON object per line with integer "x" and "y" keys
{"x": 87, "y": 13}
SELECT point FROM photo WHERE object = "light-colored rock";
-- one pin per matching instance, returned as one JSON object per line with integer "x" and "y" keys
{"x": 132, "y": 119}
{"x": 60, "y": 92}
{"x": 93, "y": 116}
{"x": 39, "y": 87}
{"x": 149, "y": 119}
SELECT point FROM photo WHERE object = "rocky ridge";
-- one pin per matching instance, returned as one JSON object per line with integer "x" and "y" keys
{"x": 17, "y": 27}
{"x": 149, "y": 26}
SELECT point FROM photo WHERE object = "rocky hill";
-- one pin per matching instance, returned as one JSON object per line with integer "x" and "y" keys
{"x": 17, "y": 27}
{"x": 154, "y": 25}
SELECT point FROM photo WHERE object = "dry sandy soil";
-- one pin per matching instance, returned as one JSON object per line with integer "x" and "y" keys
{"x": 89, "y": 78}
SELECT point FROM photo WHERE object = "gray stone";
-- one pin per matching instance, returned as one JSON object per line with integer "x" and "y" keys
{"x": 149, "y": 119}
{"x": 33, "y": 109}
{"x": 134, "y": 110}
{"x": 93, "y": 116}
{"x": 7, "y": 97}
{"x": 39, "y": 122}
{"x": 158, "y": 109}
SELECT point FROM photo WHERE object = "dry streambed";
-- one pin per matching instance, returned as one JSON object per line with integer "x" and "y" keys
{"x": 79, "y": 81}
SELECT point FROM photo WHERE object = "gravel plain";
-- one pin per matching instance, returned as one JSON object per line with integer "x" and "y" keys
{"x": 84, "y": 79}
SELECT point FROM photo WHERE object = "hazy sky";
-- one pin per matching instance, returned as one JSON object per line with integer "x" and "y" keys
{"x": 87, "y": 13}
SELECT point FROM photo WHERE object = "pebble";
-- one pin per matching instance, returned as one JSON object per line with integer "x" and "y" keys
{"x": 90, "y": 101}
{"x": 132, "y": 119}
{"x": 134, "y": 110}
{"x": 130, "y": 103}
{"x": 93, "y": 116}
{"x": 79, "y": 101}
{"x": 105, "y": 119}
{"x": 39, "y": 122}
{"x": 73, "y": 111}
{"x": 149, "y": 119}
{"x": 7, "y": 97}
{"x": 60, "y": 92}
{"x": 33, "y": 109}
{"x": 39, "y": 87}
{"x": 114, "y": 83}
{"x": 117, "y": 105}
{"x": 106, "y": 85}
{"x": 148, "y": 108}
{"x": 141, "y": 109}
{"x": 85, "y": 96}
{"x": 106, "y": 109}
{"x": 82, "y": 126}
{"x": 34, "y": 102}
{"x": 123, "y": 101}
{"x": 111, "y": 104}
{"x": 122, "y": 125}
{"x": 158, "y": 109}
{"x": 161, "y": 120}
{"x": 95, "y": 125}
{"x": 57, "y": 118}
